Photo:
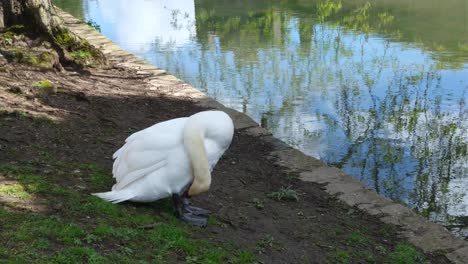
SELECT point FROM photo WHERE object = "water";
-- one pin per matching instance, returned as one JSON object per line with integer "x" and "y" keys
{"x": 378, "y": 89}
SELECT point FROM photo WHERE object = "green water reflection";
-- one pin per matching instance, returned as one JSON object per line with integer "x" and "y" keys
{"x": 376, "y": 88}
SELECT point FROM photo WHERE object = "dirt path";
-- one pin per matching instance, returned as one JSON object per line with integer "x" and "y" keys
{"x": 55, "y": 149}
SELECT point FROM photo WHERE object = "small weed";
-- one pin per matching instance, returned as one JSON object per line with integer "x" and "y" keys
{"x": 267, "y": 242}
{"x": 93, "y": 24}
{"x": 292, "y": 176}
{"x": 285, "y": 194}
{"x": 381, "y": 249}
{"x": 257, "y": 203}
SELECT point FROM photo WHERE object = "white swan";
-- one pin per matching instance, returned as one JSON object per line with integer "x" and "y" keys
{"x": 175, "y": 158}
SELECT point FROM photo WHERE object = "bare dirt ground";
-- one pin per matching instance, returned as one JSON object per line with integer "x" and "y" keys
{"x": 86, "y": 117}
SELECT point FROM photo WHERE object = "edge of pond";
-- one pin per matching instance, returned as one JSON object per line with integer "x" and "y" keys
{"x": 429, "y": 237}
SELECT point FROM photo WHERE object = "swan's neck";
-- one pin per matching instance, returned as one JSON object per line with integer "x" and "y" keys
{"x": 195, "y": 146}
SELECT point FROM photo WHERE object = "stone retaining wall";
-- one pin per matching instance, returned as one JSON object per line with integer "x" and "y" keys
{"x": 423, "y": 234}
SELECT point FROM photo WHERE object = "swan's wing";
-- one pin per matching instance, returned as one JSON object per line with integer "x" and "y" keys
{"x": 146, "y": 151}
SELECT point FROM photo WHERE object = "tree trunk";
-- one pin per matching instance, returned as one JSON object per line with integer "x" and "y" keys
{"x": 41, "y": 20}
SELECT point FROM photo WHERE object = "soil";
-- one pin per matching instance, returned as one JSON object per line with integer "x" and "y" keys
{"x": 87, "y": 117}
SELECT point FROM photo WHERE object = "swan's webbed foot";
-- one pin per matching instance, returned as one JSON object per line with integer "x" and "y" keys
{"x": 195, "y": 216}
{"x": 196, "y": 220}
{"x": 195, "y": 210}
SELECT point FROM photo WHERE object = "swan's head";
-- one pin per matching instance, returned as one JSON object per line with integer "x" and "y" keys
{"x": 216, "y": 125}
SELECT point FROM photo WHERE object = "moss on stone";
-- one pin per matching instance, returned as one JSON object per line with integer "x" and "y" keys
{"x": 13, "y": 55}
{"x": 47, "y": 59}
{"x": 80, "y": 49}
{"x": 64, "y": 38}
{"x": 42, "y": 59}
{"x": 45, "y": 86}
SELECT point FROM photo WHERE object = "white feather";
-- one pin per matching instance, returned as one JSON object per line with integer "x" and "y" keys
{"x": 159, "y": 160}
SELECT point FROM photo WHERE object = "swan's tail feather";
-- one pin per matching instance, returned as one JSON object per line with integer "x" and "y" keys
{"x": 115, "y": 196}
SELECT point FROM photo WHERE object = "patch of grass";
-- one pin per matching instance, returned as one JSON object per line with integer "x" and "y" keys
{"x": 86, "y": 229}
{"x": 77, "y": 254}
{"x": 12, "y": 169}
{"x": 99, "y": 177}
{"x": 171, "y": 237}
{"x": 104, "y": 230}
{"x": 406, "y": 254}
{"x": 95, "y": 205}
{"x": 34, "y": 183}
{"x": 285, "y": 194}
{"x": 31, "y": 182}
{"x": 341, "y": 256}
{"x": 245, "y": 257}
{"x": 14, "y": 190}
{"x": 356, "y": 237}
{"x": 99, "y": 180}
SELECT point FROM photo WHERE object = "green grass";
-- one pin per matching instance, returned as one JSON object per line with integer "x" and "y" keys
{"x": 99, "y": 178}
{"x": 406, "y": 254}
{"x": 356, "y": 237}
{"x": 14, "y": 190}
{"x": 341, "y": 256}
{"x": 401, "y": 254}
{"x": 86, "y": 229}
{"x": 89, "y": 230}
